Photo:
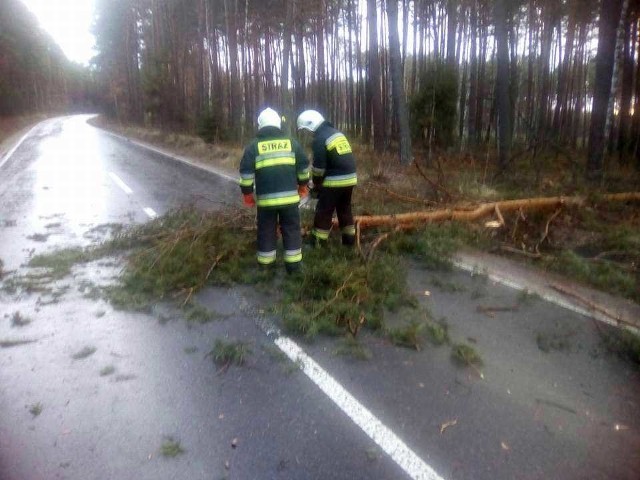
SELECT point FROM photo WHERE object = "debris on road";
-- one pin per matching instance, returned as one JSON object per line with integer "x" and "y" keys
{"x": 171, "y": 448}
{"x": 448, "y": 424}
{"x": 490, "y": 311}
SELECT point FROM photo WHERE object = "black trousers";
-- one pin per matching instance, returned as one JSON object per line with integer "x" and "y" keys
{"x": 288, "y": 217}
{"x": 338, "y": 200}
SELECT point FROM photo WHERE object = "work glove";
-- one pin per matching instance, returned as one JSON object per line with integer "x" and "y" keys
{"x": 248, "y": 200}
{"x": 303, "y": 191}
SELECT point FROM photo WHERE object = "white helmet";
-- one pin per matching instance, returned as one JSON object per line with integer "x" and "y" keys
{"x": 269, "y": 118}
{"x": 310, "y": 120}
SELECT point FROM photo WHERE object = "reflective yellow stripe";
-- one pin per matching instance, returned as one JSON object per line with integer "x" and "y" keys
{"x": 272, "y": 162}
{"x": 349, "y": 230}
{"x": 273, "y": 146}
{"x": 246, "y": 182}
{"x": 340, "y": 144}
{"x": 303, "y": 176}
{"x": 346, "y": 182}
{"x": 293, "y": 258}
{"x": 265, "y": 258}
{"x": 321, "y": 234}
{"x": 276, "y": 202}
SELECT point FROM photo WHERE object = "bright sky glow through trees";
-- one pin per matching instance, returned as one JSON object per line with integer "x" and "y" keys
{"x": 69, "y": 23}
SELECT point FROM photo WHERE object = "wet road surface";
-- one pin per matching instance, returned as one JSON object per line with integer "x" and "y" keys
{"x": 97, "y": 392}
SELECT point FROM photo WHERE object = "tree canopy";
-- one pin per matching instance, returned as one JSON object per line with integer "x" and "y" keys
{"x": 35, "y": 75}
{"x": 530, "y": 72}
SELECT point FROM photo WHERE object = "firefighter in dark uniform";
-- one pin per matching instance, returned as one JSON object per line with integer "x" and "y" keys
{"x": 334, "y": 176}
{"x": 279, "y": 169}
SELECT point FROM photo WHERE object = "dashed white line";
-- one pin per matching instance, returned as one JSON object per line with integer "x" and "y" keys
{"x": 388, "y": 441}
{"x": 125, "y": 188}
{"x": 150, "y": 212}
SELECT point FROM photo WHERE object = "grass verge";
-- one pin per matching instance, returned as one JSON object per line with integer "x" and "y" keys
{"x": 623, "y": 343}
{"x": 603, "y": 275}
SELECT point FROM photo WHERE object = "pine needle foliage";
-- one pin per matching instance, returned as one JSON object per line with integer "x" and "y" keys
{"x": 226, "y": 353}
{"x": 438, "y": 332}
{"x": 58, "y": 264}
{"x": 171, "y": 448}
{"x": 408, "y": 336}
{"x": 178, "y": 253}
{"x": 196, "y": 313}
{"x": 465, "y": 355}
{"x": 339, "y": 290}
{"x": 432, "y": 245}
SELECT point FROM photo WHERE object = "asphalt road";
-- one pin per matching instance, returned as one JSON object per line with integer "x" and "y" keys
{"x": 569, "y": 412}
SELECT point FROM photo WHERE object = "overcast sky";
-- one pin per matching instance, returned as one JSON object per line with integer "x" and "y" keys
{"x": 68, "y": 22}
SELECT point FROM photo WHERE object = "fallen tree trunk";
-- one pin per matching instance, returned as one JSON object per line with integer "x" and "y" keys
{"x": 408, "y": 220}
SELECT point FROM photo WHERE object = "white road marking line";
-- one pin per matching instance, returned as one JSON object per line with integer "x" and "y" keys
{"x": 150, "y": 212}
{"x": 6, "y": 158}
{"x": 120, "y": 183}
{"x": 388, "y": 441}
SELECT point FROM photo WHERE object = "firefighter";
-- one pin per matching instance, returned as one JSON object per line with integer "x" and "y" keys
{"x": 279, "y": 169}
{"x": 334, "y": 176}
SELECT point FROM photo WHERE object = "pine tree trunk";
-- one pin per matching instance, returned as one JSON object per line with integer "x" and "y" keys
{"x": 473, "y": 75}
{"x": 545, "y": 59}
{"x": 609, "y": 18}
{"x": 374, "y": 94}
{"x": 287, "y": 107}
{"x": 399, "y": 98}
{"x": 269, "y": 95}
{"x": 502, "y": 86}
{"x": 235, "y": 104}
{"x": 627, "y": 91}
{"x": 321, "y": 95}
{"x": 560, "y": 112}
{"x": 530, "y": 77}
